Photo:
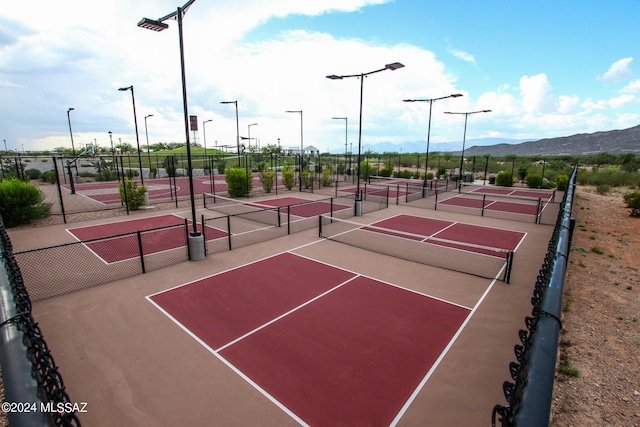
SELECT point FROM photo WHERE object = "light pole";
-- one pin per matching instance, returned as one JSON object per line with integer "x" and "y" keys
{"x": 464, "y": 138}
{"x": 237, "y": 127}
{"x": 249, "y": 130}
{"x": 392, "y": 66}
{"x": 346, "y": 121}
{"x": 196, "y": 239}
{"x": 204, "y": 131}
{"x": 430, "y": 101}
{"x": 73, "y": 148}
{"x": 135, "y": 123}
{"x": 301, "y": 138}
{"x": 147, "y": 134}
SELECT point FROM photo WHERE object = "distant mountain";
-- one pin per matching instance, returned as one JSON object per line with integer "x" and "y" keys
{"x": 613, "y": 142}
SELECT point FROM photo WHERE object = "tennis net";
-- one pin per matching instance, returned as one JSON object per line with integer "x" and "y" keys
{"x": 252, "y": 211}
{"x": 482, "y": 261}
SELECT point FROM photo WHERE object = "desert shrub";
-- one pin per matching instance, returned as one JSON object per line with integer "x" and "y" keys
{"x": 267, "y": 178}
{"x": 221, "y": 165}
{"x": 238, "y": 180}
{"x": 632, "y": 199}
{"x": 504, "y": 179}
{"x": 21, "y": 202}
{"x": 386, "y": 171}
{"x": 407, "y": 174}
{"x": 288, "y": 177}
{"x": 561, "y": 182}
{"x": 33, "y": 173}
{"x": 603, "y": 189}
{"x": 134, "y": 195}
{"x": 170, "y": 167}
{"x": 49, "y": 176}
{"x": 366, "y": 169}
{"x": 534, "y": 180}
{"x": 326, "y": 177}
{"x": 305, "y": 178}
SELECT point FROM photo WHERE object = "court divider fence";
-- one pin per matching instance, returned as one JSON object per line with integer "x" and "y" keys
{"x": 61, "y": 269}
{"x": 33, "y": 387}
{"x": 529, "y": 394}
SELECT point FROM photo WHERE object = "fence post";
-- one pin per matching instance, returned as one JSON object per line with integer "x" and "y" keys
{"x": 55, "y": 165}
{"x": 484, "y": 200}
{"x": 204, "y": 234}
{"x": 141, "y": 251}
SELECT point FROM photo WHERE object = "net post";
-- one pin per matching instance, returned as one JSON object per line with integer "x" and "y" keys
{"x": 331, "y": 207}
{"x": 507, "y": 272}
{"x": 289, "y": 219}
{"x": 387, "y": 202}
{"x": 279, "y": 224}
{"x": 484, "y": 199}
{"x": 320, "y": 225}
{"x": 204, "y": 235}
{"x": 435, "y": 204}
{"x": 204, "y": 200}
{"x": 55, "y": 165}
{"x": 538, "y": 211}
{"x": 141, "y": 252}
{"x": 186, "y": 238}
{"x": 229, "y": 230}
{"x": 397, "y": 194}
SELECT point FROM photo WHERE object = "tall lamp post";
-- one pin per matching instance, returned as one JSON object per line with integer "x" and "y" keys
{"x": 204, "y": 131}
{"x": 301, "y": 138}
{"x": 135, "y": 123}
{"x": 346, "y": 121}
{"x": 196, "y": 239}
{"x": 392, "y": 66}
{"x": 249, "y": 130}
{"x": 147, "y": 134}
{"x": 426, "y": 164}
{"x": 73, "y": 148}
{"x": 464, "y": 138}
{"x": 237, "y": 127}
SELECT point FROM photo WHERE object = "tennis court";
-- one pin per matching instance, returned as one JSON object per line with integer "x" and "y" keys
{"x": 117, "y": 241}
{"x": 321, "y": 333}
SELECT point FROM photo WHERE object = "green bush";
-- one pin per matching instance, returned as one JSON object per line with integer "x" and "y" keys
{"x": 366, "y": 169}
{"x": 603, "y": 189}
{"x": 561, "y": 182}
{"x": 267, "y": 177}
{"x": 134, "y": 195}
{"x": 326, "y": 177}
{"x": 288, "y": 177}
{"x": 407, "y": 174}
{"x": 221, "y": 165}
{"x": 504, "y": 179}
{"x": 21, "y": 202}
{"x": 386, "y": 171}
{"x": 33, "y": 173}
{"x": 238, "y": 181}
{"x": 305, "y": 177}
{"x": 106, "y": 175}
{"x": 49, "y": 176}
{"x": 169, "y": 166}
{"x": 534, "y": 180}
{"x": 632, "y": 199}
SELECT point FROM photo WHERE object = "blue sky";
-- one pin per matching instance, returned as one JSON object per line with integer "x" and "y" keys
{"x": 544, "y": 68}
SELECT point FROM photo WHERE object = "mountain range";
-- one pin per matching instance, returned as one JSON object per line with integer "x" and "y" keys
{"x": 613, "y": 142}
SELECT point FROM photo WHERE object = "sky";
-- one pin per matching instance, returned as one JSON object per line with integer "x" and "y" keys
{"x": 544, "y": 68}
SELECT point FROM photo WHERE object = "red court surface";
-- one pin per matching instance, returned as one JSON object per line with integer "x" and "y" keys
{"x": 495, "y": 205}
{"x": 533, "y": 194}
{"x": 304, "y": 207}
{"x": 454, "y": 231}
{"x": 159, "y": 234}
{"x": 328, "y": 346}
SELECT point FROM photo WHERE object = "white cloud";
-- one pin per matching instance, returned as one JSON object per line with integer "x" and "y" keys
{"x": 632, "y": 87}
{"x": 567, "y": 103}
{"x": 619, "y": 70}
{"x": 535, "y": 91}
{"x": 460, "y": 54}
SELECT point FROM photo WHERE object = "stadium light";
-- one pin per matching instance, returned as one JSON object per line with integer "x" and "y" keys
{"x": 430, "y": 101}
{"x": 464, "y": 137}
{"x": 196, "y": 239}
{"x": 392, "y": 66}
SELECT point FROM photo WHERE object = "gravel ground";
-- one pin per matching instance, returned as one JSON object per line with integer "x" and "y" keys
{"x": 600, "y": 340}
